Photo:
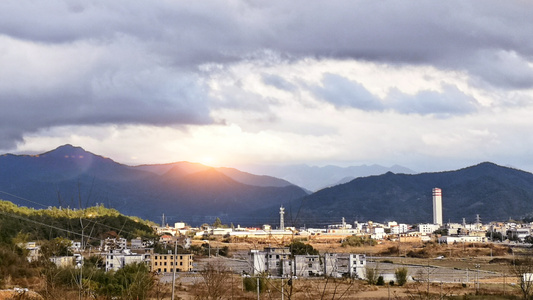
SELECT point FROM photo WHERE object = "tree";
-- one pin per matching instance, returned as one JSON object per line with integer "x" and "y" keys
{"x": 215, "y": 283}
{"x": 217, "y": 223}
{"x": 523, "y": 270}
{"x": 401, "y": 276}
{"x": 299, "y": 248}
{"x": 56, "y": 247}
{"x": 380, "y": 281}
{"x": 372, "y": 274}
{"x": 135, "y": 281}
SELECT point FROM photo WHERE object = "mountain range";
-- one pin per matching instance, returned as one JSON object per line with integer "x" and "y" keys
{"x": 493, "y": 192}
{"x": 195, "y": 193}
{"x": 70, "y": 176}
{"x": 314, "y": 178}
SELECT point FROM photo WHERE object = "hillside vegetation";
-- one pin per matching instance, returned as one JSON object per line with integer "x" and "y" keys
{"x": 96, "y": 223}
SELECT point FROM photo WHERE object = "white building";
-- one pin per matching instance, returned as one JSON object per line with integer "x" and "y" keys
{"x": 275, "y": 261}
{"x": 428, "y": 228}
{"x": 462, "y": 239}
{"x": 344, "y": 264}
{"x": 117, "y": 259}
{"x": 399, "y": 228}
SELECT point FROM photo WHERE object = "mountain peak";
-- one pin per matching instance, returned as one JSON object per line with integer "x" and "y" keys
{"x": 66, "y": 149}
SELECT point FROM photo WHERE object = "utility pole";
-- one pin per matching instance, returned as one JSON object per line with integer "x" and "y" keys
{"x": 428, "y": 281}
{"x": 477, "y": 278}
{"x": 258, "y": 288}
{"x": 174, "y": 268}
{"x": 281, "y": 288}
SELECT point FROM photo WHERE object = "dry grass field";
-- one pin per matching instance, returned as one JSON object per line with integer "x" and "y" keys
{"x": 487, "y": 265}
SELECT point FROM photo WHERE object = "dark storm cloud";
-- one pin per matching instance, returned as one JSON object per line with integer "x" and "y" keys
{"x": 447, "y": 33}
{"x": 489, "y": 40}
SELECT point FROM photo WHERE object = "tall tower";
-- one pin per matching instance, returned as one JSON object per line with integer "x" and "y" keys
{"x": 437, "y": 206}
{"x": 281, "y": 221}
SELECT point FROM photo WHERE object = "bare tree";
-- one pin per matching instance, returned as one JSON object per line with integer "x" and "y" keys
{"x": 215, "y": 282}
{"x": 523, "y": 270}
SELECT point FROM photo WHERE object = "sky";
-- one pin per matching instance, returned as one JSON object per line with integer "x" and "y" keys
{"x": 428, "y": 85}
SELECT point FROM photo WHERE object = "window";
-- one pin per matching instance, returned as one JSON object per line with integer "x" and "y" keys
{"x": 310, "y": 265}
{"x": 181, "y": 263}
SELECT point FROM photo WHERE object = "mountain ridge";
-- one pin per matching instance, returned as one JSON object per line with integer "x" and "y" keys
{"x": 493, "y": 191}
{"x": 70, "y": 176}
{"x": 195, "y": 193}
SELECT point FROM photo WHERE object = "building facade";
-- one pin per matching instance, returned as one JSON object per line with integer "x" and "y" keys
{"x": 345, "y": 264}
{"x": 165, "y": 263}
{"x": 278, "y": 262}
{"x": 117, "y": 259}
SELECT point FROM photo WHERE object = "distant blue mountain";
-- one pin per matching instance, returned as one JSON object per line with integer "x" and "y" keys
{"x": 183, "y": 191}
{"x": 315, "y": 178}
{"x": 494, "y": 192}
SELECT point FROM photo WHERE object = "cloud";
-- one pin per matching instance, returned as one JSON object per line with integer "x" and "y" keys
{"x": 177, "y": 64}
{"x": 450, "y": 101}
{"x": 82, "y": 84}
{"x": 342, "y": 93}
{"x": 278, "y": 82}
{"x": 345, "y": 93}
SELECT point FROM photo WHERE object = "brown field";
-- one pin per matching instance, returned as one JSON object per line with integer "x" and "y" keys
{"x": 491, "y": 258}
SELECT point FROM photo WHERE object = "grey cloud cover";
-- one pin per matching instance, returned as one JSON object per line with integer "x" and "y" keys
{"x": 138, "y": 61}
{"x": 344, "y": 93}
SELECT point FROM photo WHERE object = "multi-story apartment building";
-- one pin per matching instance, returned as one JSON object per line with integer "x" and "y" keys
{"x": 275, "y": 261}
{"x": 345, "y": 264}
{"x": 165, "y": 263}
{"x": 278, "y": 262}
{"x": 117, "y": 259}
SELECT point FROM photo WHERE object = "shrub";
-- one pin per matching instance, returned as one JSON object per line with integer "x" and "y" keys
{"x": 401, "y": 276}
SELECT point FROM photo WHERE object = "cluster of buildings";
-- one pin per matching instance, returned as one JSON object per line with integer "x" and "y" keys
{"x": 278, "y": 262}
{"x": 117, "y": 253}
{"x": 448, "y": 232}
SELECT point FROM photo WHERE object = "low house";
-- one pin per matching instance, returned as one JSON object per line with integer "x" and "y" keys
{"x": 462, "y": 239}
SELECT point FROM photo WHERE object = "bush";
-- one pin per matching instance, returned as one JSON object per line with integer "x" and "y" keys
{"x": 401, "y": 276}
{"x": 358, "y": 241}
{"x": 371, "y": 274}
{"x": 250, "y": 284}
{"x": 380, "y": 281}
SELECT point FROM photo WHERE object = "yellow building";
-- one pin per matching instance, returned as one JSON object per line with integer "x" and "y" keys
{"x": 164, "y": 263}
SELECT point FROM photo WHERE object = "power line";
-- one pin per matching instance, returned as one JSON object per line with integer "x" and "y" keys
{"x": 84, "y": 219}
{"x": 43, "y": 224}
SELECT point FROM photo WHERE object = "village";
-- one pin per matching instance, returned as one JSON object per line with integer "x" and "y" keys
{"x": 462, "y": 258}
